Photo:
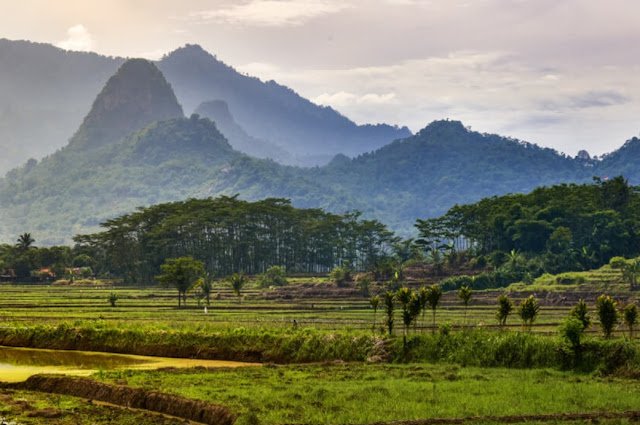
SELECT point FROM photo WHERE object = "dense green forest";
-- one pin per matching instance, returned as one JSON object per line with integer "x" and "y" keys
{"x": 554, "y": 229}
{"x": 229, "y": 236}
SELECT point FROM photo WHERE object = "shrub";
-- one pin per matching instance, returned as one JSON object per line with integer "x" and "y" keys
{"x": 363, "y": 282}
{"x": 341, "y": 276}
{"x": 456, "y": 282}
{"x": 630, "y": 315}
{"x": 617, "y": 262}
{"x": 274, "y": 276}
{"x": 528, "y": 311}
{"x": 505, "y": 306}
{"x": 572, "y": 330}
{"x": 607, "y": 313}
{"x": 581, "y": 313}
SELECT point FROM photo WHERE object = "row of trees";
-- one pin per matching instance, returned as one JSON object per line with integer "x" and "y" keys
{"x": 231, "y": 236}
{"x": 25, "y": 261}
{"x": 416, "y": 302}
{"x": 550, "y": 230}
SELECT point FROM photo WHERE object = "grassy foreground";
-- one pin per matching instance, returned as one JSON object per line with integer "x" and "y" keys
{"x": 360, "y": 393}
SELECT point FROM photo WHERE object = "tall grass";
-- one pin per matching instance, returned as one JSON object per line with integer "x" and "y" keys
{"x": 482, "y": 348}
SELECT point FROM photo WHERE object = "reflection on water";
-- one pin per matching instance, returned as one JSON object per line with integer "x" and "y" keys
{"x": 72, "y": 359}
{"x": 17, "y": 364}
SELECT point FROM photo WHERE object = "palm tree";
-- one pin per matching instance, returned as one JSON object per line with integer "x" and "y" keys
{"x": 434, "y": 293}
{"x": 505, "y": 306}
{"x": 404, "y": 296}
{"x": 25, "y": 241}
{"x": 630, "y": 315}
{"x": 375, "y": 303}
{"x": 464, "y": 293}
{"x": 237, "y": 281}
{"x": 388, "y": 306}
{"x": 528, "y": 311}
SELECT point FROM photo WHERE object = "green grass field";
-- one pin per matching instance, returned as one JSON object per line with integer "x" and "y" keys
{"x": 333, "y": 326}
{"x": 361, "y": 393}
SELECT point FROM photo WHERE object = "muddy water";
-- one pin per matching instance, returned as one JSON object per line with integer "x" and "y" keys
{"x": 17, "y": 364}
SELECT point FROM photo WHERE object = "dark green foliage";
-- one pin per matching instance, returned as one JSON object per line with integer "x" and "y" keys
{"x": 581, "y": 312}
{"x": 375, "y": 304}
{"x": 630, "y": 273}
{"x": 389, "y": 308}
{"x": 465, "y": 293}
{"x": 552, "y": 229}
{"x": 528, "y": 311}
{"x": 572, "y": 330}
{"x": 113, "y": 299}
{"x": 630, "y": 316}
{"x": 505, "y": 307}
{"x": 237, "y": 281}
{"x": 273, "y": 276}
{"x": 183, "y": 273}
{"x": 432, "y": 296}
{"x": 230, "y": 236}
{"x": 341, "y": 276}
{"x": 607, "y": 309}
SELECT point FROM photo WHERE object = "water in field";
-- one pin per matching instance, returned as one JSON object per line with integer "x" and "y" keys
{"x": 17, "y": 364}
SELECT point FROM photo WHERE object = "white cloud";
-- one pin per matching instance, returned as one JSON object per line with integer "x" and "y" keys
{"x": 343, "y": 98}
{"x": 275, "y": 13}
{"x": 78, "y": 38}
{"x": 568, "y": 107}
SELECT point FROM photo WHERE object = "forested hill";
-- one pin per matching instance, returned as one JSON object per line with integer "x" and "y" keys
{"x": 446, "y": 164}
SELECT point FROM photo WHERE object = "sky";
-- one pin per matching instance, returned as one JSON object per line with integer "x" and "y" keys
{"x": 558, "y": 73}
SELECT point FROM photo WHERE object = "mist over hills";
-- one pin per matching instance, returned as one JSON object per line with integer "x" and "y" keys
{"x": 45, "y": 93}
{"x": 313, "y": 134}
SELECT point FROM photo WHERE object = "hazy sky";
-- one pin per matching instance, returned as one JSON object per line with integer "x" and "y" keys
{"x": 560, "y": 73}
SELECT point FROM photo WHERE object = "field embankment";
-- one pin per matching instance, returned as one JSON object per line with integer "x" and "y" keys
{"x": 137, "y": 398}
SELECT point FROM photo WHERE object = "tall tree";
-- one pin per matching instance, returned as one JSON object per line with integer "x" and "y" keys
{"x": 183, "y": 273}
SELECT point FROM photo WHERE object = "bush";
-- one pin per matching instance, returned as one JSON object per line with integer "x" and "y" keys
{"x": 274, "y": 276}
{"x": 607, "y": 313}
{"x": 569, "y": 279}
{"x": 456, "y": 282}
{"x": 341, "y": 276}
{"x": 617, "y": 262}
{"x": 363, "y": 282}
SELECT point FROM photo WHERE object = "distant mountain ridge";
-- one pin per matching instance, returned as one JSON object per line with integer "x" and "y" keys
{"x": 164, "y": 156}
{"x": 45, "y": 93}
{"x": 218, "y": 111}
{"x": 313, "y": 134}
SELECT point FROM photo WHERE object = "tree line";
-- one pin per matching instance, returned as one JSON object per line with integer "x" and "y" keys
{"x": 229, "y": 235}
{"x": 554, "y": 229}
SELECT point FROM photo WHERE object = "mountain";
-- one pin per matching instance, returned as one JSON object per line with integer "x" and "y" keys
{"x": 622, "y": 161}
{"x": 45, "y": 93}
{"x": 136, "y": 149}
{"x": 446, "y": 164}
{"x": 218, "y": 111}
{"x": 270, "y": 111}
{"x": 135, "y": 96}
